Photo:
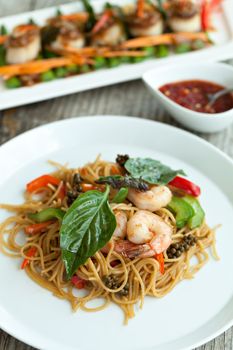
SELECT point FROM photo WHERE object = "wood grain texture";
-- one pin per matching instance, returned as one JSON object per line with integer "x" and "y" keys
{"x": 122, "y": 99}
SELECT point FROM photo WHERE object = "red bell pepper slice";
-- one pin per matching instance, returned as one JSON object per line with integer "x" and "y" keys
{"x": 186, "y": 185}
{"x": 42, "y": 181}
{"x": 78, "y": 282}
{"x": 31, "y": 252}
{"x": 160, "y": 259}
{"x": 36, "y": 228}
{"x": 205, "y": 15}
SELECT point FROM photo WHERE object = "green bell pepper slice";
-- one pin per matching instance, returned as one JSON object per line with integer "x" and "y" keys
{"x": 197, "y": 219}
{"x": 182, "y": 210}
{"x": 121, "y": 195}
{"x": 47, "y": 214}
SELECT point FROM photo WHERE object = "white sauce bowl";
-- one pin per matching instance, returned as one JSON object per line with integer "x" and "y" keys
{"x": 218, "y": 73}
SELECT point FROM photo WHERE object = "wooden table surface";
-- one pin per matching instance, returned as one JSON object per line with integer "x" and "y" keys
{"x": 123, "y": 99}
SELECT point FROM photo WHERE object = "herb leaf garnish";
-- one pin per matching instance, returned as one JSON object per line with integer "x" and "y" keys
{"x": 86, "y": 227}
{"x": 151, "y": 171}
{"x": 118, "y": 181}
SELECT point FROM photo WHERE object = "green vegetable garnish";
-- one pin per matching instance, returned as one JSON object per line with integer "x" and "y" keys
{"x": 13, "y": 82}
{"x": 118, "y": 181}
{"x": 198, "y": 44}
{"x": 92, "y": 18}
{"x": 182, "y": 48}
{"x": 47, "y": 214}
{"x": 60, "y": 72}
{"x": 150, "y": 51}
{"x": 3, "y": 30}
{"x": 137, "y": 59}
{"x": 182, "y": 210}
{"x": 151, "y": 171}
{"x": 125, "y": 59}
{"x": 85, "y": 68}
{"x": 197, "y": 219}
{"x": 2, "y": 55}
{"x": 47, "y": 76}
{"x": 73, "y": 68}
{"x": 162, "y": 51}
{"x": 86, "y": 227}
{"x": 48, "y": 54}
{"x": 58, "y": 12}
{"x": 31, "y": 21}
{"x": 114, "y": 62}
{"x": 121, "y": 195}
{"x": 100, "y": 62}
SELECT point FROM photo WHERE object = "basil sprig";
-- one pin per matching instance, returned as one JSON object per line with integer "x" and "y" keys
{"x": 151, "y": 171}
{"x": 86, "y": 227}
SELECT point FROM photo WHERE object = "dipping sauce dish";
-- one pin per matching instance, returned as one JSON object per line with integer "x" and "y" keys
{"x": 193, "y": 94}
{"x": 171, "y": 86}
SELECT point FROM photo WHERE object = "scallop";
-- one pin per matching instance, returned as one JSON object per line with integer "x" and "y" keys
{"x": 189, "y": 24}
{"x": 23, "y": 45}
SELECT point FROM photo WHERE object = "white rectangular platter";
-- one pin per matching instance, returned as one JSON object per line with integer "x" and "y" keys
{"x": 222, "y": 50}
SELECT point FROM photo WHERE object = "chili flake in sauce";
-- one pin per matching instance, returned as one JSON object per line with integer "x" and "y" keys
{"x": 192, "y": 94}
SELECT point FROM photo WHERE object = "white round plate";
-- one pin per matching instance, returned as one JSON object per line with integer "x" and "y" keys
{"x": 193, "y": 313}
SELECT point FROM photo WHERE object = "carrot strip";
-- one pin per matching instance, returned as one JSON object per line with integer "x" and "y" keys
{"x": 88, "y": 187}
{"x": 103, "y": 19}
{"x": 124, "y": 53}
{"x": 32, "y": 251}
{"x": 166, "y": 39}
{"x": 79, "y": 16}
{"x": 36, "y": 228}
{"x": 26, "y": 27}
{"x": 34, "y": 67}
{"x": 160, "y": 259}
{"x": 140, "y": 8}
{"x": 3, "y": 39}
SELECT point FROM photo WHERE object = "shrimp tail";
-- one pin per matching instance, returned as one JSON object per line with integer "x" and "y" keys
{"x": 131, "y": 250}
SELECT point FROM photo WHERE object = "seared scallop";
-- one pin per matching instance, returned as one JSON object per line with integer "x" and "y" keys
{"x": 68, "y": 34}
{"x": 23, "y": 45}
{"x": 112, "y": 33}
{"x": 149, "y": 24}
{"x": 184, "y": 16}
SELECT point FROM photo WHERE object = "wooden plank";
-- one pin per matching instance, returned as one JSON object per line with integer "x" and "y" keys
{"x": 122, "y": 99}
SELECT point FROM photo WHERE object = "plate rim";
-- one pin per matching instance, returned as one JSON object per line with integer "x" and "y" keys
{"x": 3, "y": 148}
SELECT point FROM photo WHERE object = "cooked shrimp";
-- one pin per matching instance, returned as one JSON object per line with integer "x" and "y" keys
{"x": 147, "y": 235}
{"x": 154, "y": 199}
{"x": 23, "y": 45}
{"x": 147, "y": 227}
{"x": 121, "y": 219}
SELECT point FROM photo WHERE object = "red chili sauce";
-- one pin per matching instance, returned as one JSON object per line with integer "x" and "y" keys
{"x": 192, "y": 94}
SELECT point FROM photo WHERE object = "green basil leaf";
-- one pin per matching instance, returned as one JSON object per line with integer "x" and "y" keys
{"x": 121, "y": 195}
{"x": 86, "y": 227}
{"x": 151, "y": 171}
